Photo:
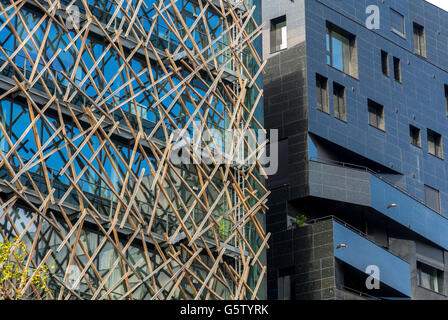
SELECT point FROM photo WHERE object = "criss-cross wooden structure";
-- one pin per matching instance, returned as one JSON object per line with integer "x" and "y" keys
{"x": 91, "y": 94}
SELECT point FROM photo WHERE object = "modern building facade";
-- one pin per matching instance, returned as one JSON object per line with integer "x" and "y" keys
{"x": 97, "y": 177}
{"x": 358, "y": 92}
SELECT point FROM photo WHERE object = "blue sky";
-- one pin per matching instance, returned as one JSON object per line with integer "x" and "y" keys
{"x": 441, "y": 3}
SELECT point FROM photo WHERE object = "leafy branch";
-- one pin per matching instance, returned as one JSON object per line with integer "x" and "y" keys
{"x": 301, "y": 220}
{"x": 14, "y": 275}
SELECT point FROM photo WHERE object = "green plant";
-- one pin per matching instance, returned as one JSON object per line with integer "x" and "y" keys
{"x": 301, "y": 221}
{"x": 14, "y": 275}
{"x": 224, "y": 228}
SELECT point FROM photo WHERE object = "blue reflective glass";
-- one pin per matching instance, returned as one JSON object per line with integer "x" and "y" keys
{"x": 338, "y": 61}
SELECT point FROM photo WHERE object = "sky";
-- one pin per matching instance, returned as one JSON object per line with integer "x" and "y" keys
{"x": 441, "y": 3}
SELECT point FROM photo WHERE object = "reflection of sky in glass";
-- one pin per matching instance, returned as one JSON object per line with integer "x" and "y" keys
{"x": 337, "y": 54}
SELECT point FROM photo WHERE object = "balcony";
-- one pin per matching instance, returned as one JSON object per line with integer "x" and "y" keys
{"x": 360, "y": 186}
{"x": 361, "y": 253}
{"x": 351, "y": 252}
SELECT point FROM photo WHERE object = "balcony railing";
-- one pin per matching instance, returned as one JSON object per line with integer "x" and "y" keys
{"x": 357, "y": 293}
{"x": 351, "y": 228}
{"x": 370, "y": 171}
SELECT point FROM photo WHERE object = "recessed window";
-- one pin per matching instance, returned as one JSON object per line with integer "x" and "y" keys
{"x": 376, "y": 115}
{"x": 341, "y": 50}
{"x": 340, "y": 111}
{"x": 432, "y": 198}
{"x": 415, "y": 136}
{"x": 279, "y": 34}
{"x": 397, "y": 23}
{"x": 385, "y": 63}
{"x": 397, "y": 69}
{"x": 446, "y": 99}
{"x": 322, "y": 93}
{"x": 429, "y": 277}
{"x": 419, "y": 40}
{"x": 285, "y": 284}
{"x": 435, "y": 144}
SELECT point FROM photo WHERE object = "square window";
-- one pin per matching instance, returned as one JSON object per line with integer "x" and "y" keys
{"x": 340, "y": 111}
{"x": 415, "y": 136}
{"x": 435, "y": 146}
{"x": 341, "y": 50}
{"x": 385, "y": 63}
{"x": 322, "y": 93}
{"x": 376, "y": 115}
{"x": 397, "y": 69}
{"x": 279, "y": 34}
{"x": 397, "y": 23}
{"x": 419, "y": 40}
{"x": 429, "y": 277}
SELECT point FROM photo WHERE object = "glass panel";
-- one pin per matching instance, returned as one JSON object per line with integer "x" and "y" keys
{"x": 425, "y": 280}
{"x": 284, "y": 288}
{"x": 397, "y": 69}
{"x": 337, "y": 45}
{"x": 416, "y": 41}
{"x": 385, "y": 63}
{"x": 428, "y": 277}
{"x": 431, "y": 146}
{"x": 278, "y": 34}
{"x": 321, "y": 94}
{"x": 283, "y": 35}
{"x": 435, "y": 280}
{"x": 339, "y": 102}
{"x": 397, "y": 22}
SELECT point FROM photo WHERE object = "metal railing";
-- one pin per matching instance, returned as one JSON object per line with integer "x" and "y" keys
{"x": 370, "y": 171}
{"x": 357, "y": 292}
{"x": 353, "y": 229}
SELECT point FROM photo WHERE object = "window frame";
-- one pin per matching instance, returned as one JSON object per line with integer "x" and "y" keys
{"x": 437, "y": 140}
{"x": 435, "y": 277}
{"x": 397, "y": 70}
{"x": 324, "y": 106}
{"x": 380, "y": 118}
{"x": 338, "y": 88}
{"x": 274, "y": 48}
{"x": 349, "y": 47}
{"x": 412, "y": 130}
{"x": 419, "y": 39}
{"x": 285, "y": 274}
{"x": 401, "y": 33}
{"x": 385, "y": 63}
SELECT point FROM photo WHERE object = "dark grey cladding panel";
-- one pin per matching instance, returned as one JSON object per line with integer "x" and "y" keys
{"x": 425, "y": 294}
{"x": 430, "y": 255}
{"x": 339, "y": 183}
